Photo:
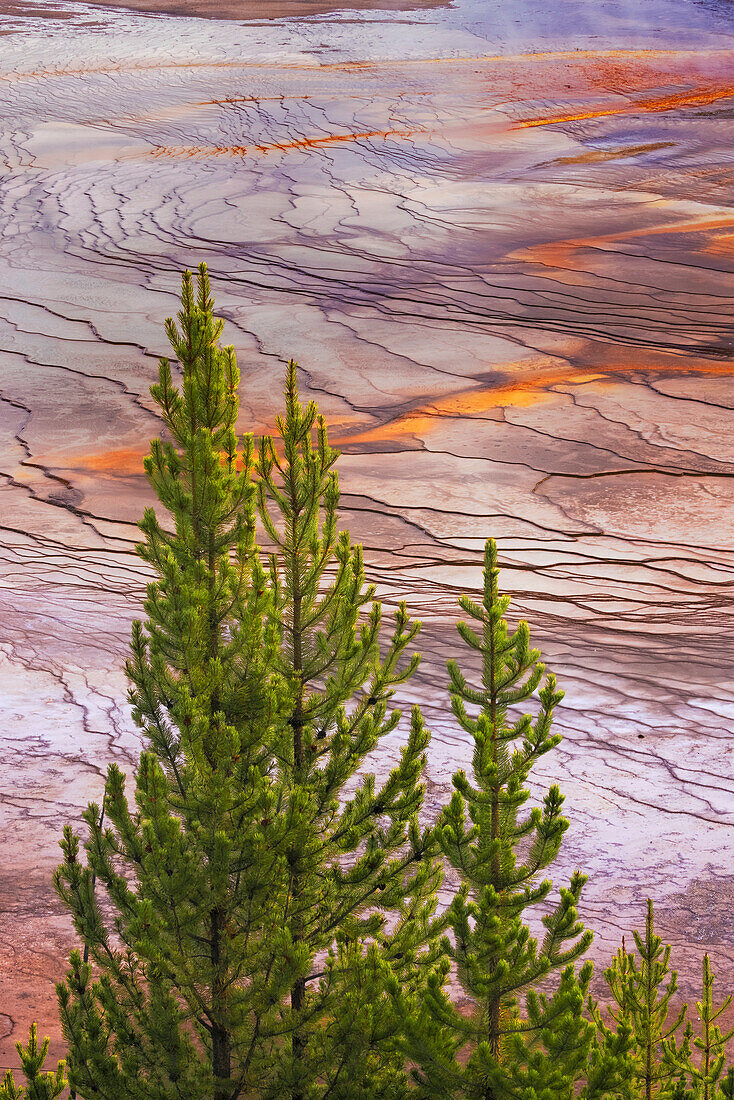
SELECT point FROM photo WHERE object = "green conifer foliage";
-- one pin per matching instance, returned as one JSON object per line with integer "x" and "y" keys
{"x": 39, "y": 1085}
{"x": 361, "y": 872}
{"x": 495, "y": 1049}
{"x": 706, "y": 1072}
{"x": 188, "y": 958}
{"x": 656, "y": 1062}
{"x": 725, "y": 1090}
{"x": 608, "y": 1073}
{"x": 617, "y": 1042}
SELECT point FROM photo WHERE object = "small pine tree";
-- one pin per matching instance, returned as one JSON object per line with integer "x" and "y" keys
{"x": 711, "y": 1044}
{"x": 608, "y": 1075}
{"x": 39, "y": 1085}
{"x": 362, "y": 875}
{"x": 616, "y": 1043}
{"x": 656, "y": 1063}
{"x": 494, "y": 1050}
{"x": 188, "y": 956}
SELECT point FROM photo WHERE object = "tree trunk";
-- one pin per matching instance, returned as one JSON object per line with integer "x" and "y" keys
{"x": 298, "y": 1042}
{"x": 221, "y": 1039}
{"x": 494, "y": 1006}
{"x": 298, "y": 992}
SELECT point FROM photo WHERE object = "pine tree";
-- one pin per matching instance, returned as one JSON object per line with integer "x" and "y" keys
{"x": 362, "y": 876}
{"x": 188, "y": 959}
{"x": 617, "y": 1041}
{"x": 495, "y": 1050}
{"x": 656, "y": 1063}
{"x": 608, "y": 1072}
{"x": 706, "y": 1073}
{"x": 253, "y": 904}
{"x": 39, "y": 1085}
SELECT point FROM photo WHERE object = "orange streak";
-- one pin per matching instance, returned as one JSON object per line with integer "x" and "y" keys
{"x": 423, "y": 419}
{"x": 283, "y": 98}
{"x": 280, "y": 146}
{"x": 121, "y": 462}
{"x": 664, "y": 103}
{"x": 561, "y": 254}
{"x": 532, "y": 389}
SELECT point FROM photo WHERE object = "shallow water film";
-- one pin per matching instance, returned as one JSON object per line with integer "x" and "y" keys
{"x": 499, "y": 239}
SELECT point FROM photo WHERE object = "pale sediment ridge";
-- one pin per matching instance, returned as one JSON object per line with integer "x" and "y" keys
{"x": 262, "y": 9}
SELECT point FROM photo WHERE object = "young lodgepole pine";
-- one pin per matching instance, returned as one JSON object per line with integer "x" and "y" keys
{"x": 40, "y": 1084}
{"x": 362, "y": 873}
{"x": 642, "y": 987}
{"x": 706, "y": 1072}
{"x": 512, "y": 1040}
{"x": 188, "y": 958}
